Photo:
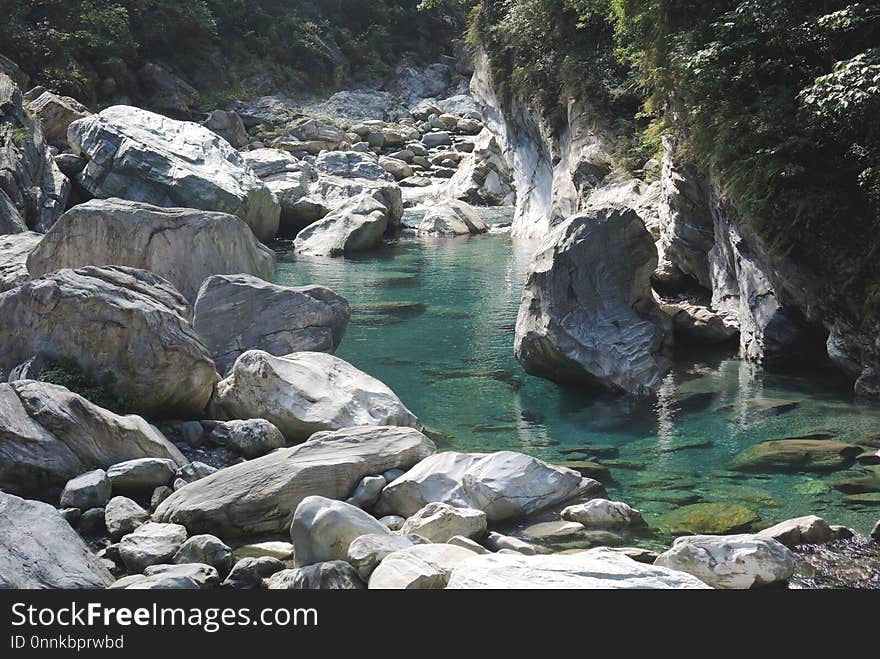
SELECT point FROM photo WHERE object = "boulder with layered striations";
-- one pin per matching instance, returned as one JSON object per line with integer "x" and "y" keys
{"x": 588, "y": 315}
{"x": 33, "y": 191}
{"x": 236, "y": 313}
{"x": 39, "y": 549}
{"x": 121, "y": 325}
{"x": 183, "y": 245}
{"x": 49, "y": 435}
{"x": 307, "y": 392}
{"x": 138, "y": 155}
{"x": 261, "y": 495}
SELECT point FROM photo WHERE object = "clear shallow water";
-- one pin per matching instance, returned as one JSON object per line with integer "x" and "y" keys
{"x": 434, "y": 319}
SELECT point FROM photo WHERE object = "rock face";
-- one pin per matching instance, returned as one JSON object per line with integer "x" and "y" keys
{"x": 236, "y": 313}
{"x": 736, "y": 561}
{"x": 588, "y": 314}
{"x": 14, "y": 250}
{"x": 795, "y": 455}
{"x": 261, "y": 495}
{"x": 39, "y": 549}
{"x": 355, "y": 227}
{"x": 306, "y": 392}
{"x": 594, "y": 569}
{"x": 132, "y": 330}
{"x": 181, "y": 245}
{"x": 421, "y": 567}
{"x": 322, "y": 529}
{"x": 452, "y": 218}
{"x": 49, "y": 435}
{"x": 137, "y": 155}
{"x": 504, "y": 485}
{"x": 440, "y": 522}
{"x": 33, "y": 191}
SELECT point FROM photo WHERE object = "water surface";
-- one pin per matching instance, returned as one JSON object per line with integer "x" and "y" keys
{"x": 434, "y": 319}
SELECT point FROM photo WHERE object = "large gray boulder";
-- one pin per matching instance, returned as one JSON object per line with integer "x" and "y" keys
{"x": 504, "y": 485}
{"x": 322, "y": 529}
{"x": 731, "y": 561}
{"x": 33, "y": 191}
{"x": 600, "y": 568}
{"x": 357, "y": 226}
{"x": 49, "y": 435}
{"x": 305, "y": 392}
{"x": 334, "y": 192}
{"x": 151, "y": 544}
{"x": 14, "y": 250}
{"x": 182, "y": 245}
{"x": 88, "y": 490}
{"x": 121, "y": 325}
{"x": 236, "y": 313}
{"x": 452, "y": 218}
{"x": 261, "y": 495}
{"x": 588, "y": 315}
{"x": 39, "y": 549}
{"x": 138, "y": 155}
{"x": 288, "y": 178}
{"x": 350, "y": 164}
{"x": 251, "y": 438}
{"x": 420, "y": 567}
{"x": 440, "y": 522}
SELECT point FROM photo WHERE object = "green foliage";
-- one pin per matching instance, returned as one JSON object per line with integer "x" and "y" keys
{"x": 314, "y": 44}
{"x": 20, "y": 136}
{"x": 67, "y": 373}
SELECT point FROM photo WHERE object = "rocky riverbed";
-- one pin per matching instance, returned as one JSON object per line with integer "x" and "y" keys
{"x": 173, "y": 415}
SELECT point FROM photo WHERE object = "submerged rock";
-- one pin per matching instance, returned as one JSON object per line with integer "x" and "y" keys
{"x": 733, "y": 561}
{"x": 133, "y": 332}
{"x": 594, "y": 569}
{"x": 504, "y": 485}
{"x": 260, "y": 496}
{"x": 39, "y": 549}
{"x": 182, "y": 245}
{"x": 307, "y": 392}
{"x": 796, "y": 455}
{"x": 236, "y": 313}
{"x": 49, "y": 435}
{"x": 141, "y": 156}
{"x": 708, "y": 518}
{"x": 588, "y": 314}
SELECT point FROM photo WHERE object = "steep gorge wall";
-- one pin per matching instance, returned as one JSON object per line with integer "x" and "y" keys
{"x": 785, "y": 314}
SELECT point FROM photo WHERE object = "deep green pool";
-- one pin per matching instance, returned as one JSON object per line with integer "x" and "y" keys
{"x": 434, "y": 319}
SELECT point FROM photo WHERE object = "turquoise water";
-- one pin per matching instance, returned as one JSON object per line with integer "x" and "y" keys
{"x": 434, "y": 319}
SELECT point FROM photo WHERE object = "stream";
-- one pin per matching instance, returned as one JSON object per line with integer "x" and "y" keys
{"x": 434, "y": 319}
